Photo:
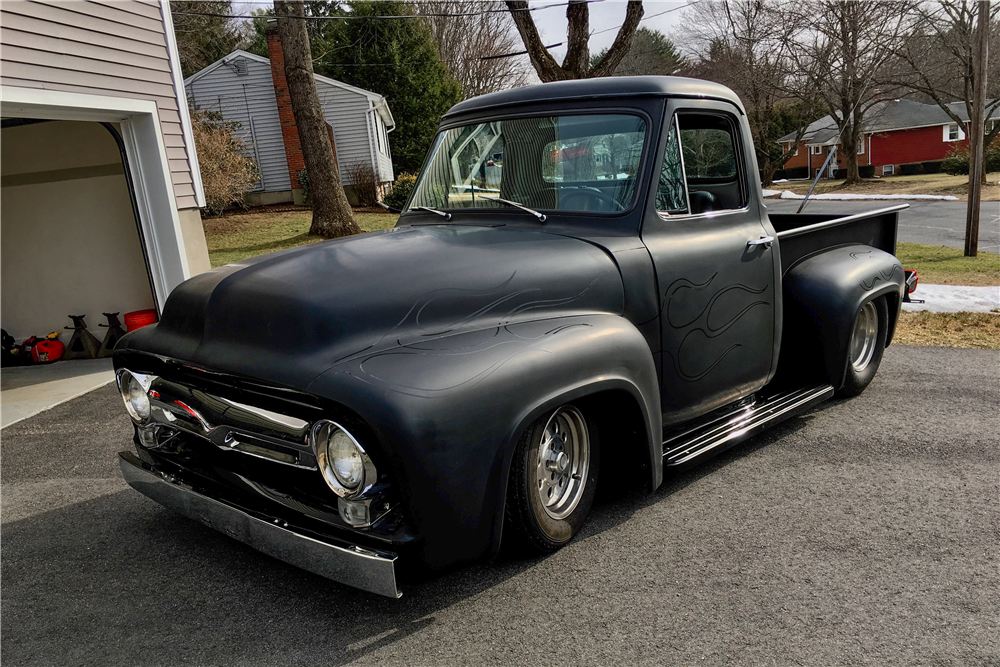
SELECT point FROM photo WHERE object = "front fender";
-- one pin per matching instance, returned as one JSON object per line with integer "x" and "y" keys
{"x": 823, "y": 295}
{"x": 449, "y": 411}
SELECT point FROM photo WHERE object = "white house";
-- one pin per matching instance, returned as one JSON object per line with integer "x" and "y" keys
{"x": 101, "y": 188}
{"x": 251, "y": 89}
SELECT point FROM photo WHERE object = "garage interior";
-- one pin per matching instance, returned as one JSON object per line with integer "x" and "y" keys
{"x": 69, "y": 239}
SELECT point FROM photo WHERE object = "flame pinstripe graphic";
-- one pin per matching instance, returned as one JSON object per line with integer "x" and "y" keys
{"x": 701, "y": 324}
{"x": 883, "y": 276}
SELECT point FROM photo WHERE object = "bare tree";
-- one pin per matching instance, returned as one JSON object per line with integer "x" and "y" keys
{"x": 475, "y": 47}
{"x": 937, "y": 60}
{"x": 841, "y": 50}
{"x": 744, "y": 44}
{"x": 576, "y": 64}
{"x": 332, "y": 215}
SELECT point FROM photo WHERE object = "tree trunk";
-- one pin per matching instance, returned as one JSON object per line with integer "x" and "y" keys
{"x": 332, "y": 214}
{"x": 977, "y": 130}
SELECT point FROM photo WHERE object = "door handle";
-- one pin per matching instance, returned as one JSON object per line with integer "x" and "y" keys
{"x": 765, "y": 241}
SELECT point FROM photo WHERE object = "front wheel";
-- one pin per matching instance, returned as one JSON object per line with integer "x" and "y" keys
{"x": 553, "y": 479}
{"x": 864, "y": 351}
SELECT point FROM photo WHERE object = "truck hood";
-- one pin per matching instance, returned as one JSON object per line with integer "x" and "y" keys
{"x": 290, "y": 316}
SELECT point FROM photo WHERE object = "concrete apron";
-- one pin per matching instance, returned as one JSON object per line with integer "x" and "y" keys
{"x": 956, "y": 298}
{"x": 28, "y": 390}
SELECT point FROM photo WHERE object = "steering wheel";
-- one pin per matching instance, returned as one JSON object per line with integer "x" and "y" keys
{"x": 590, "y": 193}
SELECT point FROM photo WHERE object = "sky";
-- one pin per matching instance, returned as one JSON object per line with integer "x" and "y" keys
{"x": 606, "y": 17}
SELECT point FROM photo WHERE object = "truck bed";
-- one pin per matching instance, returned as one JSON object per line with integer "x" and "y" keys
{"x": 803, "y": 234}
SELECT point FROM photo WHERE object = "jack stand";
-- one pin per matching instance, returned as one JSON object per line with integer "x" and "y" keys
{"x": 115, "y": 332}
{"x": 907, "y": 299}
{"x": 83, "y": 344}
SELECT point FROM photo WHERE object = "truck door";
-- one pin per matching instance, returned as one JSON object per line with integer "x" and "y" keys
{"x": 714, "y": 262}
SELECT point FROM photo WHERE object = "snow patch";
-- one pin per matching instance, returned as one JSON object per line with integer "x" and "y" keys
{"x": 955, "y": 298}
{"x": 771, "y": 193}
{"x": 788, "y": 194}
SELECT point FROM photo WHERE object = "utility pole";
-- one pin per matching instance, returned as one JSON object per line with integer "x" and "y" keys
{"x": 977, "y": 130}
{"x": 332, "y": 214}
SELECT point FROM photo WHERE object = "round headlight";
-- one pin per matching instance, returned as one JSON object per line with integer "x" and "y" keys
{"x": 343, "y": 462}
{"x": 134, "y": 395}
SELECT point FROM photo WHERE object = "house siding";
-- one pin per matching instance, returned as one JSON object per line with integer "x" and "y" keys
{"x": 116, "y": 49}
{"x": 920, "y": 144}
{"x": 349, "y": 113}
{"x": 275, "y": 144}
{"x": 223, "y": 90}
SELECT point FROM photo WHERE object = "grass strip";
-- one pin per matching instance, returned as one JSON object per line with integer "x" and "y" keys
{"x": 237, "y": 237}
{"x": 938, "y": 265}
{"x": 966, "y": 330}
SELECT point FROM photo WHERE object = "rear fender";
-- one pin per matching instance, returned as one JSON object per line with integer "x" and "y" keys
{"x": 449, "y": 411}
{"x": 823, "y": 295}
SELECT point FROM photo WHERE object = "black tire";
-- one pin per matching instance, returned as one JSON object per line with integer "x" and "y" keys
{"x": 528, "y": 524}
{"x": 857, "y": 379}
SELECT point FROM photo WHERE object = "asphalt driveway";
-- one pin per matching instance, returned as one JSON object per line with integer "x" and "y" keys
{"x": 929, "y": 222}
{"x": 865, "y": 532}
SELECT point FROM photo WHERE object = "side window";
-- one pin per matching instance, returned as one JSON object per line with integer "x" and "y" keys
{"x": 671, "y": 195}
{"x": 712, "y": 162}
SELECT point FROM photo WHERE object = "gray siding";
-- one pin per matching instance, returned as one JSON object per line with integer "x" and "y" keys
{"x": 116, "y": 49}
{"x": 348, "y": 112}
{"x": 223, "y": 90}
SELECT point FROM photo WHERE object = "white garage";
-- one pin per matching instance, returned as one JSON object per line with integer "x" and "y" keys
{"x": 99, "y": 209}
{"x": 70, "y": 239}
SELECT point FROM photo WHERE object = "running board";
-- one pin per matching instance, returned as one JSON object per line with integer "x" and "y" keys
{"x": 693, "y": 442}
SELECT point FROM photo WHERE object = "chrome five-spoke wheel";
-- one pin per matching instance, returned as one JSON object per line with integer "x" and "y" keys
{"x": 553, "y": 478}
{"x": 864, "y": 338}
{"x": 865, "y": 346}
{"x": 563, "y": 462}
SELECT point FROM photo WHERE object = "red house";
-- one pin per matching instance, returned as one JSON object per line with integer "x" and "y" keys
{"x": 895, "y": 132}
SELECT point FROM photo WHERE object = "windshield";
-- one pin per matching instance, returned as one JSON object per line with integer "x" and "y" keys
{"x": 561, "y": 163}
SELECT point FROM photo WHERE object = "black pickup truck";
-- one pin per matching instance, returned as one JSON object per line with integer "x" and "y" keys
{"x": 584, "y": 288}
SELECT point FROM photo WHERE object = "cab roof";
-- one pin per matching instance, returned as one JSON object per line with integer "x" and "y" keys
{"x": 604, "y": 87}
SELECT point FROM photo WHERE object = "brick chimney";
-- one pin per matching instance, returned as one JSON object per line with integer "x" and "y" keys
{"x": 289, "y": 131}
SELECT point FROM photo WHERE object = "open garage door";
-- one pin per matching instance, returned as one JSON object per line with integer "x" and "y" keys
{"x": 71, "y": 241}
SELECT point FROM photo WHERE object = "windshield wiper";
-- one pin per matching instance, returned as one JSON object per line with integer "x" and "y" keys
{"x": 446, "y": 216}
{"x": 540, "y": 216}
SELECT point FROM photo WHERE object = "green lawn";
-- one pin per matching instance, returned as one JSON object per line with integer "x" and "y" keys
{"x": 937, "y": 265}
{"x": 237, "y": 237}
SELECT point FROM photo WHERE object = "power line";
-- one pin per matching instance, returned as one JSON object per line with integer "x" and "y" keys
{"x": 452, "y": 60}
{"x": 350, "y": 17}
{"x": 651, "y": 16}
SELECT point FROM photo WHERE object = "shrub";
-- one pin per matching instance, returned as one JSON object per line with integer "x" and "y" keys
{"x": 303, "y": 178}
{"x": 797, "y": 172}
{"x": 866, "y": 171}
{"x": 932, "y": 167}
{"x": 780, "y": 174}
{"x": 400, "y": 191}
{"x": 226, "y": 172}
{"x": 364, "y": 180}
{"x": 840, "y": 173}
{"x": 957, "y": 162}
{"x": 909, "y": 169}
{"x": 993, "y": 157}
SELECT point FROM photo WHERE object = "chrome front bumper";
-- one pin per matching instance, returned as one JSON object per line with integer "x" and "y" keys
{"x": 369, "y": 570}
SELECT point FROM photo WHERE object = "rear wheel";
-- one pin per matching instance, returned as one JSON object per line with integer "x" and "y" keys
{"x": 864, "y": 351}
{"x": 553, "y": 479}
